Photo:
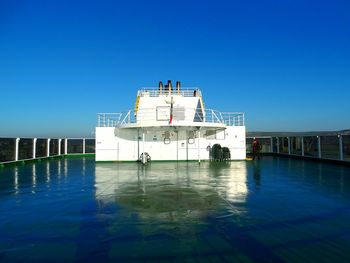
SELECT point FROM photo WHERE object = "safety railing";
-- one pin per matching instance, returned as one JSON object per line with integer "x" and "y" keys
{"x": 155, "y": 92}
{"x": 22, "y": 149}
{"x": 228, "y": 118}
{"x": 330, "y": 147}
{"x": 108, "y": 119}
{"x": 163, "y": 113}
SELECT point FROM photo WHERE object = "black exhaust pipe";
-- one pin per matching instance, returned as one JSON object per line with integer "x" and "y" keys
{"x": 170, "y": 86}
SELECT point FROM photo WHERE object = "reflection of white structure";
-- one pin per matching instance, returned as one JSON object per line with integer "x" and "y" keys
{"x": 108, "y": 181}
{"x": 172, "y": 187}
{"x": 168, "y": 124}
{"x": 236, "y": 189}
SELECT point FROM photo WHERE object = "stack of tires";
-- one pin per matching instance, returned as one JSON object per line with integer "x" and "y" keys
{"x": 226, "y": 155}
{"x": 219, "y": 153}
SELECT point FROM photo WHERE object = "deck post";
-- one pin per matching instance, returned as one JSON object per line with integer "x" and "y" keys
{"x": 341, "y": 153}
{"x": 138, "y": 145}
{"x": 302, "y": 146}
{"x": 143, "y": 147}
{"x": 271, "y": 145}
{"x": 48, "y": 147}
{"x": 16, "y": 148}
{"x": 187, "y": 138}
{"x": 59, "y": 147}
{"x": 199, "y": 156}
{"x": 34, "y": 147}
{"x": 319, "y": 146}
{"x": 83, "y": 145}
{"x": 177, "y": 144}
{"x": 65, "y": 146}
{"x": 289, "y": 145}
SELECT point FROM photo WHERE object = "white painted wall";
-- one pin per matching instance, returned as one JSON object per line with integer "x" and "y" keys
{"x": 113, "y": 144}
{"x": 183, "y": 108}
{"x": 116, "y": 147}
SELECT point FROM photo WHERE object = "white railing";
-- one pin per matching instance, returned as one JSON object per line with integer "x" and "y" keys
{"x": 329, "y": 146}
{"x": 26, "y": 149}
{"x": 233, "y": 118}
{"x": 155, "y": 92}
{"x": 108, "y": 119}
{"x": 151, "y": 115}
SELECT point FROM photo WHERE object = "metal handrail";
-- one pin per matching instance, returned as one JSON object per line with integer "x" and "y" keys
{"x": 108, "y": 119}
{"x": 126, "y": 116}
{"x": 149, "y": 114}
{"x": 155, "y": 92}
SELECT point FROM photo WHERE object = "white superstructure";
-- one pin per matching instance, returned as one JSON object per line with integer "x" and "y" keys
{"x": 168, "y": 124}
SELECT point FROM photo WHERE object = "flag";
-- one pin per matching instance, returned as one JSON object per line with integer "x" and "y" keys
{"x": 171, "y": 111}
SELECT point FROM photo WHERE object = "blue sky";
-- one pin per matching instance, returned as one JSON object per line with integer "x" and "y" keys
{"x": 286, "y": 64}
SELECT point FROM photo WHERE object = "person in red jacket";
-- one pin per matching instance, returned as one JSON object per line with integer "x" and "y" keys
{"x": 256, "y": 149}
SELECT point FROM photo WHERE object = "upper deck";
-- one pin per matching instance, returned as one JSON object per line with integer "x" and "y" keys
{"x": 210, "y": 117}
{"x": 156, "y": 92}
{"x": 168, "y": 106}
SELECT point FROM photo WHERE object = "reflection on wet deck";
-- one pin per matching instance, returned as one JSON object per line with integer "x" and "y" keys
{"x": 175, "y": 190}
{"x": 273, "y": 210}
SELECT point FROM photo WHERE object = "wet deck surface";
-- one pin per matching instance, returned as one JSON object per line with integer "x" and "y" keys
{"x": 272, "y": 210}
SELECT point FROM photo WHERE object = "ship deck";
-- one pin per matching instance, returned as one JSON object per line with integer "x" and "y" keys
{"x": 272, "y": 210}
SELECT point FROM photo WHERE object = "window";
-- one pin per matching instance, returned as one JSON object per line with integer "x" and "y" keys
{"x": 220, "y": 135}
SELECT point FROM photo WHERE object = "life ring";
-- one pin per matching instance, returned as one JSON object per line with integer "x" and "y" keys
{"x": 148, "y": 157}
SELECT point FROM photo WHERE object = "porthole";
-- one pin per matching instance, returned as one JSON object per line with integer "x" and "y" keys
{"x": 190, "y": 140}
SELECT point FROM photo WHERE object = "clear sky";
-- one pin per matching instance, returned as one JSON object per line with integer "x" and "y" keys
{"x": 286, "y": 64}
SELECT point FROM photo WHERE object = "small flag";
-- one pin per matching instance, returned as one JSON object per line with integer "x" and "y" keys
{"x": 171, "y": 111}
